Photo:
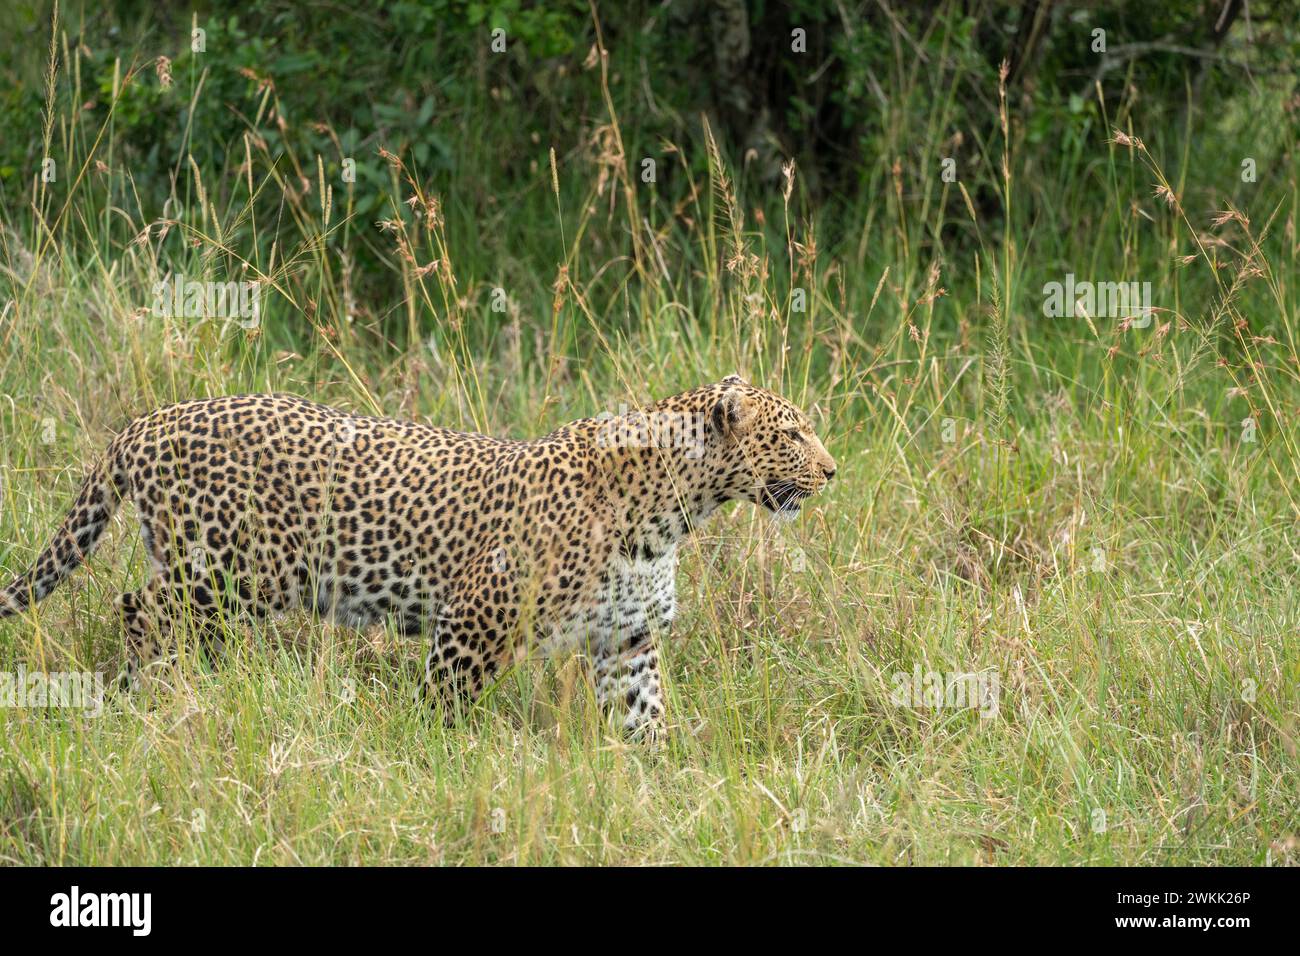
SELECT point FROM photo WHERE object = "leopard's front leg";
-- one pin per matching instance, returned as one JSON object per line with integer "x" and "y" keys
{"x": 641, "y": 597}
{"x": 471, "y": 643}
{"x": 628, "y": 685}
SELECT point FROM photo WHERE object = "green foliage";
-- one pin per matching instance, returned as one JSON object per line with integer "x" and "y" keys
{"x": 1070, "y": 503}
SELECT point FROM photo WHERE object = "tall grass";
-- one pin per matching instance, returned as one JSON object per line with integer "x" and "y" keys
{"x": 1073, "y": 505}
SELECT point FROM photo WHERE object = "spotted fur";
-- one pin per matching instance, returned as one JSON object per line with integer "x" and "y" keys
{"x": 256, "y": 504}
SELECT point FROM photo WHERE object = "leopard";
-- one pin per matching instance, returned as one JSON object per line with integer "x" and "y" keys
{"x": 488, "y": 548}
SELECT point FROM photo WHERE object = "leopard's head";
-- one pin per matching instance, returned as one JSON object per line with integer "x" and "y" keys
{"x": 765, "y": 448}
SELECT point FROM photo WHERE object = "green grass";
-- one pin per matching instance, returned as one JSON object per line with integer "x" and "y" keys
{"x": 1064, "y": 503}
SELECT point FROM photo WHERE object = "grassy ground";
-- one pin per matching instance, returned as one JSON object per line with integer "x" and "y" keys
{"x": 1076, "y": 509}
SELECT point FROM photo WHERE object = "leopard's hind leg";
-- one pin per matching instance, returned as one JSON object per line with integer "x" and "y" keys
{"x": 153, "y": 618}
{"x": 145, "y": 632}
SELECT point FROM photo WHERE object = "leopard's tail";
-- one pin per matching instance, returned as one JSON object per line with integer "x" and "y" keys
{"x": 76, "y": 538}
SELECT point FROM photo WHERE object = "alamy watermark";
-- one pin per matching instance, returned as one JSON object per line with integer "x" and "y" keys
{"x": 653, "y": 429}
{"x": 80, "y": 690}
{"x": 1099, "y": 300}
{"x": 935, "y": 690}
{"x": 193, "y": 299}
{"x": 133, "y": 911}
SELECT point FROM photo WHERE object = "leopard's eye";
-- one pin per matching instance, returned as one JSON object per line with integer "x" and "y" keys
{"x": 795, "y": 434}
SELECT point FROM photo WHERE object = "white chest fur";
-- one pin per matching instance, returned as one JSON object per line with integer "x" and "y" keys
{"x": 634, "y": 598}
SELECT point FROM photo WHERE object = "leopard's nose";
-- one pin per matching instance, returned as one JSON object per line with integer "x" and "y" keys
{"x": 828, "y": 472}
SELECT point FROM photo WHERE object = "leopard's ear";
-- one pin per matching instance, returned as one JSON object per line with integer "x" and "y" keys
{"x": 734, "y": 379}
{"x": 733, "y": 412}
